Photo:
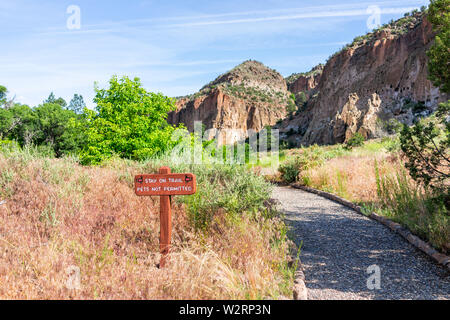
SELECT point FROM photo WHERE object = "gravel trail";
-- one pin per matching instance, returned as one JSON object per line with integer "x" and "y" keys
{"x": 340, "y": 244}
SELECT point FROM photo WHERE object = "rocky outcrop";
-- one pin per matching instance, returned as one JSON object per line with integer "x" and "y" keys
{"x": 380, "y": 77}
{"x": 250, "y": 96}
{"x": 305, "y": 82}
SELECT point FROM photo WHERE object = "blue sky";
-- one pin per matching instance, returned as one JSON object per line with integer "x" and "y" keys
{"x": 175, "y": 47}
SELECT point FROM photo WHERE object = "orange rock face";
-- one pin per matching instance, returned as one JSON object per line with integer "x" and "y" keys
{"x": 307, "y": 83}
{"x": 249, "y": 97}
{"x": 221, "y": 111}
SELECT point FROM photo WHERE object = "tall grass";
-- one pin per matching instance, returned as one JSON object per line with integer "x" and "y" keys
{"x": 228, "y": 243}
{"x": 307, "y": 158}
{"x": 402, "y": 200}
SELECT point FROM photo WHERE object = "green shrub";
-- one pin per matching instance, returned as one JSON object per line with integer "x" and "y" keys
{"x": 357, "y": 140}
{"x": 308, "y": 158}
{"x": 391, "y": 144}
{"x": 290, "y": 170}
{"x": 291, "y": 107}
{"x": 391, "y": 126}
{"x": 233, "y": 188}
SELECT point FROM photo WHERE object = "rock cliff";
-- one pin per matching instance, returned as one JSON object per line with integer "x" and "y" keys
{"x": 379, "y": 78}
{"x": 250, "y": 96}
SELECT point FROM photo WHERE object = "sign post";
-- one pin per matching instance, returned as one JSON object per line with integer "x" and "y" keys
{"x": 165, "y": 222}
{"x": 165, "y": 184}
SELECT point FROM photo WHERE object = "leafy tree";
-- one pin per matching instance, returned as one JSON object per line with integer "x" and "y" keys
{"x": 128, "y": 121}
{"x": 426, "y": 148}
{"x": 3, "y": 92}
{"x": 55, "y": 126}
{"x": 426, "y": 144}
{"x": 48, "y": 124}
{"x": 77, "y": 104}
{"x": 301, "y": 100}
{"x": 22, "y": 124}
{"x": 439, "y": 53}
{"x": 291, "y": 107}
{"x": 51, "y": 99}
{"x": 5, "y": 122}
{"x": 61, "y": 102}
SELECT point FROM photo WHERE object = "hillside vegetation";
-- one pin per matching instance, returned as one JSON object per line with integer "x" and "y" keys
{"x": 249, "y": 80}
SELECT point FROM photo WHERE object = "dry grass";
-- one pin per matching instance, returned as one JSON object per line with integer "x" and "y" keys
{"x": 351, "y": 177}
{"x": 59, "y": 214}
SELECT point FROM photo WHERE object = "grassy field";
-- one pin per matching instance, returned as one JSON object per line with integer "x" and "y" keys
{"x": 372, "y": 175}
{"x": 228, "y": 240}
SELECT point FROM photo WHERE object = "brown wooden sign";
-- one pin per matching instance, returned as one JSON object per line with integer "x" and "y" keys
{"x": 165, "y": 185}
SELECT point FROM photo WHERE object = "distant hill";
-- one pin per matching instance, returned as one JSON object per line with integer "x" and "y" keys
{"x": 250, "y": 96}
{"x": 376, "y": 81}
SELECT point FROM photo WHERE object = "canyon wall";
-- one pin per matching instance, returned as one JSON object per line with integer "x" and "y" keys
{"x": 364, "y": 86}
{"x": 250, "y": 96}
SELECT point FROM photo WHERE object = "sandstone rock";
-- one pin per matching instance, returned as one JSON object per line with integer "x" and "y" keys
{"x": 368, "y": 83}
{"x": 305, "y": 82}
{"x": 250, "y": 96}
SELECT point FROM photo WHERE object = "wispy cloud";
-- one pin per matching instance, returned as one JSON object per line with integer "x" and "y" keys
{"x": 296, "y": 13}
{"x": 321, "y": 14}
{"x": 173, "y": 53}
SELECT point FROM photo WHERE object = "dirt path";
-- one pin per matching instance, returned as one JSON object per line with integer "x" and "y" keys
{"x": 340, "y": 244}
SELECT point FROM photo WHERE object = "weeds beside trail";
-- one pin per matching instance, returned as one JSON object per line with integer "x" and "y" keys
{"x": 228, "y": 243}
{"x": 373, "y": 176}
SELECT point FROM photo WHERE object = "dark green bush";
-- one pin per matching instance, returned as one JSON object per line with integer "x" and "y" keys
{"x": 356, "y": 140}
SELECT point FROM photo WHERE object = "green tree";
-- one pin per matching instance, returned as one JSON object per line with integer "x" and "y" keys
{"x": 55, "y": 126}
{"x": 426, "y": 148}
{"x": 439, "y": 53}
{"x": 301, "y": 100}
{"x": 426, "y": 144}
{"x": 51, "y": 98}
{"x": 48, "y": 124}
{"x": 77, "y": 104}
{"x": 291, "y": 107}
{"x": 128, "y": 121}
{"x": 22, "y": 124}
{"x": 3, "y": 92}
{"x": 5, "y": 122}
